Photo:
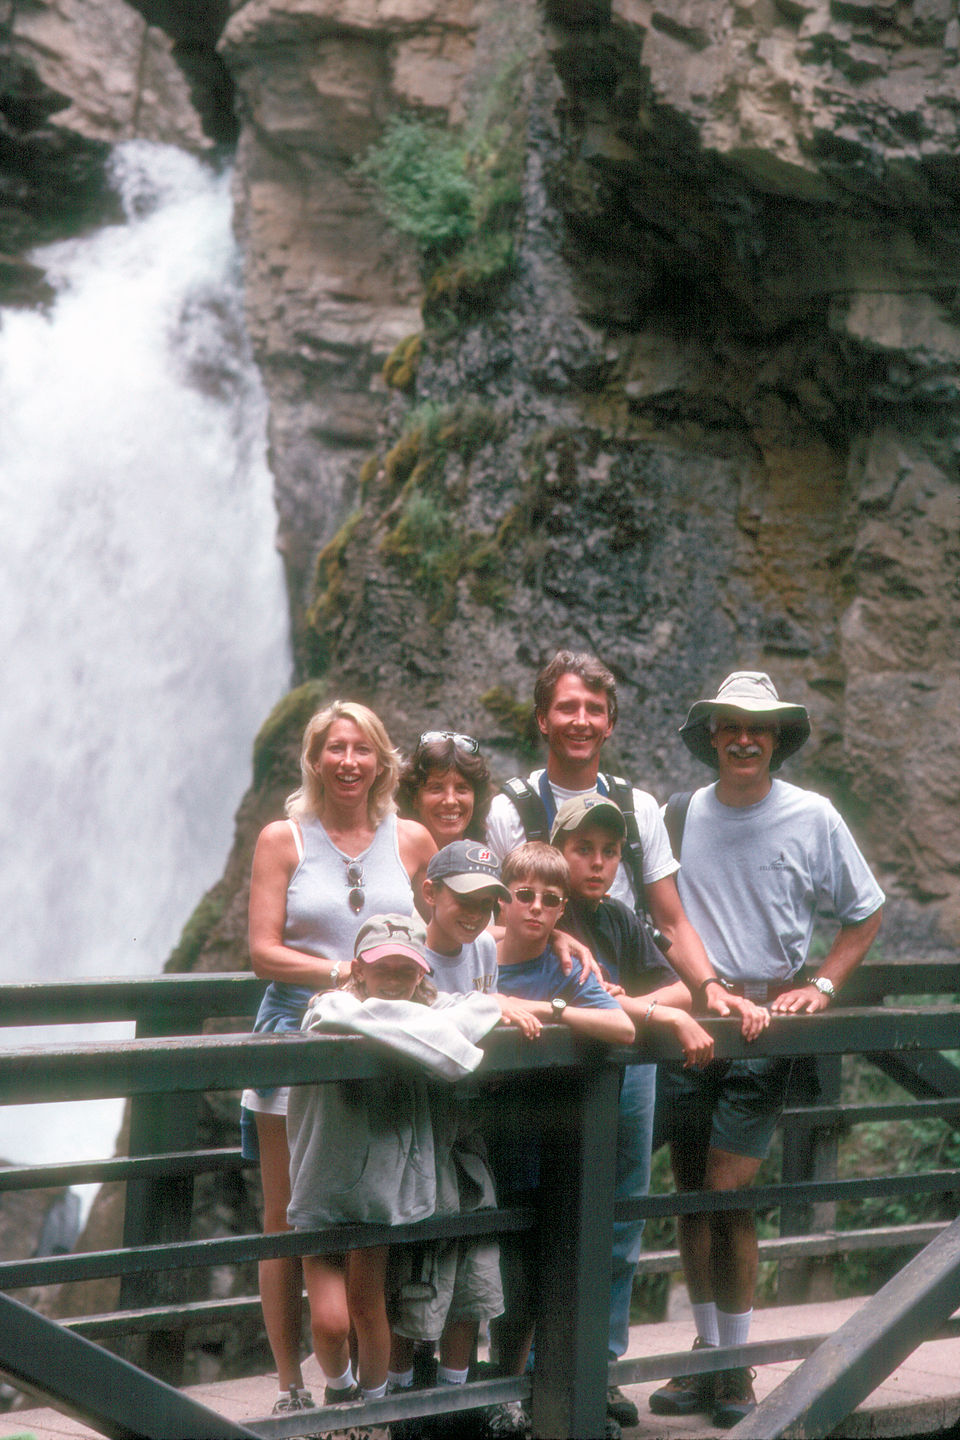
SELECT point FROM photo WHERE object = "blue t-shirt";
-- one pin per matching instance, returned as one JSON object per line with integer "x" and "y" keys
{"x": 542, "y": 978}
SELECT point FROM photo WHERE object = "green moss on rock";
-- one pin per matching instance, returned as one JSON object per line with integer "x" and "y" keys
{"x": 518, "y": 717}
{"x": 284, "y": 727}
{"x": 401, "y": 365}
{"x": 198, "y": 930}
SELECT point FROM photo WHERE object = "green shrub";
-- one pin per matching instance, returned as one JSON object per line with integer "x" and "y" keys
{"x": 458, "y": 194}
{"x": 420, "y": 172}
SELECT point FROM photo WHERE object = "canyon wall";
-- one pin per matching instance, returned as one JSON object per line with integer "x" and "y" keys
{"x": 706, "y": 417}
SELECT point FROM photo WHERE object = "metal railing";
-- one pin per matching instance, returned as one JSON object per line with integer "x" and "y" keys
{"x": 170, "y": 1063}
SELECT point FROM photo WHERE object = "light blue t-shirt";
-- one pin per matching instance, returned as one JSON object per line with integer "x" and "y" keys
{"x": 753, "y": 880}
{"x": 473, "y": 967}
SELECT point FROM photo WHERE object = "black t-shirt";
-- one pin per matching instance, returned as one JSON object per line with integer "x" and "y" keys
{"x": 613, "y": 932}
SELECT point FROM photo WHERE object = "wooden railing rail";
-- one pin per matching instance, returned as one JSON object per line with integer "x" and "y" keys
{"x": 170, "y": 1063}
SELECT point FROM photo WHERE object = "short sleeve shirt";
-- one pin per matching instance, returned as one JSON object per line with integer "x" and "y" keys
{"x": 754, "y": 880}
{"x": 505, "y": 831}
{"x": 473, "y": 967}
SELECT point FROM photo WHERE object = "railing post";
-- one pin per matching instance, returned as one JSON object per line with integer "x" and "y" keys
{"x": 576, "y": 1205}
{"x": 810, "y": 1153}
{"x": 159, "y": 1209}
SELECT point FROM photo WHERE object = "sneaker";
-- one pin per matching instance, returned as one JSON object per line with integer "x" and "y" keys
{"x": 296, "y": 1399}
{"x": 733, "y": 1397}
{"x": 621, "y": 1408}
{"x": 685, "y": 1394}
{"x": 509, "y": 1420}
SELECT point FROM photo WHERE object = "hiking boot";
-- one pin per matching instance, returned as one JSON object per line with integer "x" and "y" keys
{"x": 620, "y": 1408}
{"x": 685, "y": 1394}
{"x": 733, "y": 1397}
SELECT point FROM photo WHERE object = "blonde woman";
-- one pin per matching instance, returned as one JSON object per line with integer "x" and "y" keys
{"x": 340, "y": 856}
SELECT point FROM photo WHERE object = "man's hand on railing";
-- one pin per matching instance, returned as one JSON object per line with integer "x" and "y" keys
{"x": 805, "y": 1000}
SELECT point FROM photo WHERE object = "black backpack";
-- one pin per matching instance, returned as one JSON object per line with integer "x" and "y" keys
{"x": 536, "y": 826}
{"x": 675, "y": 817}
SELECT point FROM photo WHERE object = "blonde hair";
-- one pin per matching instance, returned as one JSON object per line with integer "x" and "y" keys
{"x": 425, "y": 993}
{"x": 307, "y": 799}
{"x": 533, "y": 860}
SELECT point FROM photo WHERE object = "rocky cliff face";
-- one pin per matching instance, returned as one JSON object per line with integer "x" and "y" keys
{"x": 705, "y": 413}
{"x": 708, "y": 419}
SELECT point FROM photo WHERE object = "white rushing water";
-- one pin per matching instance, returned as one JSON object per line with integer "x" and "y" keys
{"x": 143, "y": 620}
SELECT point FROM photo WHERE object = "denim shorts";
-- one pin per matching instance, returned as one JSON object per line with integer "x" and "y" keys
{"x": 281, "y": 1009}
{"x": 733, "y": 1105}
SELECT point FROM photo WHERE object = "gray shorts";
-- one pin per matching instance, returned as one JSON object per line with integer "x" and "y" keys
{"x": 733, "y": 1105}
{"x": 454, "y": 1280}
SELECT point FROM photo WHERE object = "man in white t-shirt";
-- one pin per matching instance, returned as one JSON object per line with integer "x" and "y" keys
{"x": 575, "y": 698}
{"x": 761, "y": 860}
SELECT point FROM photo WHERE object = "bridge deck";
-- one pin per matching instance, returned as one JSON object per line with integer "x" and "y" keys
{"x": 923, "y": 1396}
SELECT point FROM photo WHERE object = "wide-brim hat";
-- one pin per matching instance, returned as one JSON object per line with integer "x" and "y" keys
{"x": 750, "y": 692}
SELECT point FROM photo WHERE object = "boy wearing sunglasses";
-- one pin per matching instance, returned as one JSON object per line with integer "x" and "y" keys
{"x": 538, "y": 879}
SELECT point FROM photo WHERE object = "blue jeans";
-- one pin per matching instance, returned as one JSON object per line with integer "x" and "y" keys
{"x": 634, "y": 1135}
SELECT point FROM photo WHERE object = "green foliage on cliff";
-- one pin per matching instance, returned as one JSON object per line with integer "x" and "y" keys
{"x": 284, "y": 727}
{"x": 458, "y": 194}
{"x": 517, "y": 716}
{"x": 198, "y": 930}
{"x": 401, "y": 365}
{"x": 426, "y": 537}
{"x": 421, "y": 172}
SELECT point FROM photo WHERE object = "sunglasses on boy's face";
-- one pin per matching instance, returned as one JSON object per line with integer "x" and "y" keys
{"x": 526, "y": 894}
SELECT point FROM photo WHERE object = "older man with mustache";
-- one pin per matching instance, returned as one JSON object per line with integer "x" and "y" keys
{"x": 760, "y": 861}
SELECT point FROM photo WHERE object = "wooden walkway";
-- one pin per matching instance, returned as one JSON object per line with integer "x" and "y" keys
{"x": 920, "y": 1398}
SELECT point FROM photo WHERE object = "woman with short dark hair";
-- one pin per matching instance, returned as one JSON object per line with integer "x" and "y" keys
{"x": 446, "y": 785}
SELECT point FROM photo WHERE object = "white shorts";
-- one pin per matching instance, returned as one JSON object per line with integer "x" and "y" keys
{"x": 273, "y": 1103}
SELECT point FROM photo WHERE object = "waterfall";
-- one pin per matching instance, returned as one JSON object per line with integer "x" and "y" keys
{"x": 143, "y": 619}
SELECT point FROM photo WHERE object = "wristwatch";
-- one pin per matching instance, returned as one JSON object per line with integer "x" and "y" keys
{"x": 335, "y": 975}
{"x": 558, "y": 1005}
{"x": 825, "y": 986}
{"x": 714, "y": 980}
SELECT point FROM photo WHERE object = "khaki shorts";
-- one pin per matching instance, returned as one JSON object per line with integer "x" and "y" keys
{"x": 454, "y": 1280}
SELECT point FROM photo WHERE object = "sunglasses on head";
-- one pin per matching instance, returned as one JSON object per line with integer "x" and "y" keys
{"x": 462, "y": 742}
{"x": 549, "y": 899}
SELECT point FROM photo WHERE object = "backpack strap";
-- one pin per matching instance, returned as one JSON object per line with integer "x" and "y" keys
{"x": 530, "y": 808}
{"x": 675, "y": 817}
{"x": 621, "y": 791}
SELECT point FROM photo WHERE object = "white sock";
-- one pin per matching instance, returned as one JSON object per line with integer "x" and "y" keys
{"x": 446, "y": 1376}
{"x": 377, "y": 1393}
{"x": 705, "y": 1319}
{"x": 400, "y": 1379}
{"x": 734, "y": 1329}
{"x": 341, "y": 1382}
